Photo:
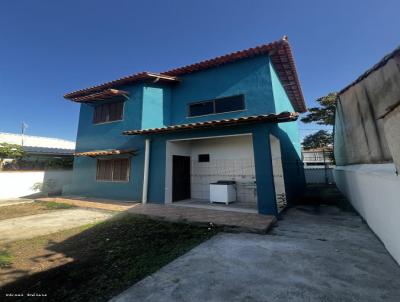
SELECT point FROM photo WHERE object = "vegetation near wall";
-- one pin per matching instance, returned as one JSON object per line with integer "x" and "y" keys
{"x": 13, "y": 158}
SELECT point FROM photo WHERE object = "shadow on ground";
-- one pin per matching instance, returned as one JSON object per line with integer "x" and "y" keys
{"x": 107, "y": 258}
{"x": 317, "y": 252}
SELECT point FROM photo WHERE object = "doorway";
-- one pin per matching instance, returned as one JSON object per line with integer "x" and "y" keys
{"x": 180, "y": 177}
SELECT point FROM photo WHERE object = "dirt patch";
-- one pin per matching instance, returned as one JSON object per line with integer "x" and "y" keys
{"x": 29, "y": 256}
{"x": 26, "y": 209}
{"x": 93, "y": 203}
{"x": 31, "y": 226}
{"x": 97, "y": 262}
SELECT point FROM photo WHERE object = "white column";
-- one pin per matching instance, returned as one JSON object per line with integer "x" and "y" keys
{"x": 146, "y": 170}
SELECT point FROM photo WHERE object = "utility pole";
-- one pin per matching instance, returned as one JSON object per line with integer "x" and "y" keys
{"x": 23, "y": 127}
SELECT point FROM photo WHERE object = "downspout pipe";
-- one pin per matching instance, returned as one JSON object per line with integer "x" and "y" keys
{"x": 146, "y": 170}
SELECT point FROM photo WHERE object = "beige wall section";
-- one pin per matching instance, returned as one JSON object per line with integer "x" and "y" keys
{"x": 277, "y": 169}
{"x": 359, "y": 130}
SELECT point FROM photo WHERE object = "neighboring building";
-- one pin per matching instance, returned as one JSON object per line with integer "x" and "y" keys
{"x": 320, "y": 157}
{"x": 367, "y": 148}
{"x": 38, "y": 146}
{"x": 39, "y": 149}
{"x": 164, "y": 137}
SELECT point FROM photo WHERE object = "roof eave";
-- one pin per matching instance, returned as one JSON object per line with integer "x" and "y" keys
{"x": 274, "y": 118}
{"x": 142, "y": 76}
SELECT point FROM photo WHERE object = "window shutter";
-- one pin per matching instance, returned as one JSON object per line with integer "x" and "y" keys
{"x": 117, "y": 170}
{"x": 113, "y": 111}
{"x": 113, "y": 169}
{"x": 119, "y": 110}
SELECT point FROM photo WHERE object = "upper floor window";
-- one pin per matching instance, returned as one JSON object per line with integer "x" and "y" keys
{"x": 221, "y": 105}
{"x": 109, "y": 112}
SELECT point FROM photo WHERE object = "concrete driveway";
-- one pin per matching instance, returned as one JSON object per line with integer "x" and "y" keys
{"x": 42, "y": 224}
{"x": 327, "y": 255}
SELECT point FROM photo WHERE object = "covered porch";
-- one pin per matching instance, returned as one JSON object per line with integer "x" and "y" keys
{"x": 195, "y": 166}
{"x": 183, "y": 162}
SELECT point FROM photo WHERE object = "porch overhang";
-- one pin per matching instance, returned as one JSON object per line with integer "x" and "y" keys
{"x": 269, "y": 118}
{"x": 109, "y": 152}
{"x": 151, "y": 77}
{"x": 106, "y": 94}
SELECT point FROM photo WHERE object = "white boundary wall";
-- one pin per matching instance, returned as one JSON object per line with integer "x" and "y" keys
{"x": 20, "y": 183}
{"x": 374, "y": 191}
{"x": 318, "y": 175}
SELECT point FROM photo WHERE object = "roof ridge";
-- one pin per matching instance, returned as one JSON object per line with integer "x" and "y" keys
{"x": 278, "y": 50}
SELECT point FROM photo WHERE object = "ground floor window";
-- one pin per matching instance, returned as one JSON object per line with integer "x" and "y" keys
{"x": 116, "y": 169}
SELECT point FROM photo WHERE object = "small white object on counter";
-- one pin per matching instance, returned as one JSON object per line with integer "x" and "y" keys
{"x": 222, "y": 193}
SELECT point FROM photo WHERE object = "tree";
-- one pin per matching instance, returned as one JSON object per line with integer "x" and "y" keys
{"x": 319, "y": 139}
{"x": 325, "y": 114}
{"x": 10, "y": 151}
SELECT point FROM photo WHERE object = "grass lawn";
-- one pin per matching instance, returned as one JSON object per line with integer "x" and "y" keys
{"x": 96, "y": 262}
{"x": 26, "y": 209}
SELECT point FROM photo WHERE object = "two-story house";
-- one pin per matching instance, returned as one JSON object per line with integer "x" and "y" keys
{"x": 165, "y": 137}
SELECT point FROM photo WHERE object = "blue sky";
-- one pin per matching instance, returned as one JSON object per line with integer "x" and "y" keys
{"x": 49, "y": 48}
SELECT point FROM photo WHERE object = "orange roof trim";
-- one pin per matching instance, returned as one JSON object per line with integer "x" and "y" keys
{"x": 142, "y": 76}
{"x": 106, "y": 152}
{"x": 100, "y": 96}
{"x": 274, "y": 118}
{"x": 279, "y": 52}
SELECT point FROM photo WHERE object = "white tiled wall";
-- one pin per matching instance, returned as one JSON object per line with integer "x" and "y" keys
{"x": 231, "y": 158}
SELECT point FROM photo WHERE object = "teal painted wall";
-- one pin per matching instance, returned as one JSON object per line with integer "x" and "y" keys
{"x": 250, "y": 77}
{"x": 109, "y": 136}
{"x": 262, "y": 157}
{"x": 156, "y": 106}
{"x": 289, "y": 136}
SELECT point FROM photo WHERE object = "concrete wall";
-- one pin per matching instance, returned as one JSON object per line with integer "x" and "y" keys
{"x": 374, "y": 191}
{"x": 360, "y": 136}
{"x": 319, "y": 175}
{"x": 391, "y": 124}
{"x": 20, "y": 183}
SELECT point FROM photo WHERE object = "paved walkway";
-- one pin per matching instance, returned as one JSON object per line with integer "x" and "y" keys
{"x": 327, "y": 255}
{"x": 42, "y": 224}
{"x": 14, "y": 201}
{"x": 249, "y": 222}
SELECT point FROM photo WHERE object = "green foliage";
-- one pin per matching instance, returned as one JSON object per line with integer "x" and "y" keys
{"x": 27, "y": 163}
{"x": 60, "y": 163}
{"x": 325, "y": 114}
{"x": 47, "y": 186}
{"x": 11, "y": 151}
{"x": 319, "y": 139}
{"x": 5, "y": 258}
